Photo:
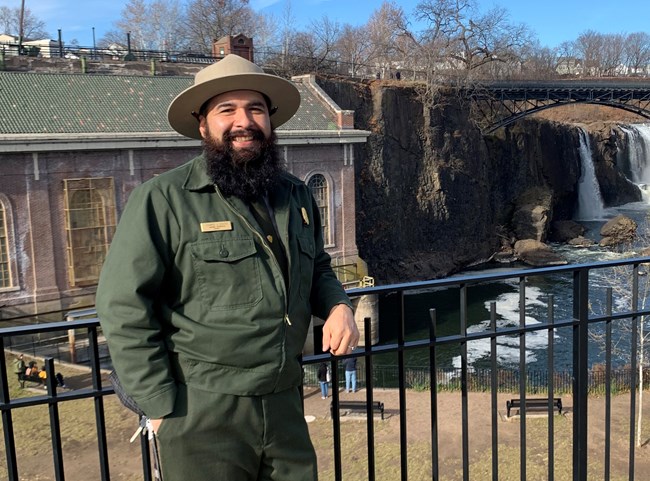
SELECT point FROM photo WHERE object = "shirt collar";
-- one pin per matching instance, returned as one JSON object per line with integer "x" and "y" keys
{"x": 198, "y": 178}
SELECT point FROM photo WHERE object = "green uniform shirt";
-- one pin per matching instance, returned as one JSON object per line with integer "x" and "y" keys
{"x": 191, "y": 292}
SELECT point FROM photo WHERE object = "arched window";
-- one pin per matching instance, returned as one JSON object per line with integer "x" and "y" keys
{"x": 90, "y": 223}
{"x": 5, "y": 265}
{"x": 318, "y": 186}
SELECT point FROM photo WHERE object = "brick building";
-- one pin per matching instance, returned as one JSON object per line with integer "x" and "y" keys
{"x": 73, "y": 146}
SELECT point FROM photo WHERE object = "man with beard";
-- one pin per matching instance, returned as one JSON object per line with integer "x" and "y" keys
{"x": 207, "y": 291}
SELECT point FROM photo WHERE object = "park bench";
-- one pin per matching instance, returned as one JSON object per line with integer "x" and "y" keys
{"x": 534, "y": 405}
{"x": 358, "y": 407}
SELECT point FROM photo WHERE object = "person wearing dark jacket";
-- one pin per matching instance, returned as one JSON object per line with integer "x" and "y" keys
{"x": 322, "y": 379}
{"x": 350, "y": 374}
{"x": 208, "y": 289}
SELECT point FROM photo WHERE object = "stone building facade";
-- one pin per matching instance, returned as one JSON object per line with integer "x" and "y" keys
{"x": 73, "y": 147}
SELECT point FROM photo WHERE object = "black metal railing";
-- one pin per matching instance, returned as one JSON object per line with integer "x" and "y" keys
{"x": 577, "y": 308}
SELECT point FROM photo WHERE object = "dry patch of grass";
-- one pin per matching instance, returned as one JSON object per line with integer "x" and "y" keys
{"x": 79, "y": 435}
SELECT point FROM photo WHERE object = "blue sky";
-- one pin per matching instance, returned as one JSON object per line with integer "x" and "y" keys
{"x": 554, "y": 21}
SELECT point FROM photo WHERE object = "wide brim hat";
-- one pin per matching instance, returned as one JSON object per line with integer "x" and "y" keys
{"x": 231, "y": 73}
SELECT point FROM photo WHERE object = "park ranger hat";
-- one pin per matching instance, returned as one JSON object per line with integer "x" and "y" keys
{"x": 231, "y": 73}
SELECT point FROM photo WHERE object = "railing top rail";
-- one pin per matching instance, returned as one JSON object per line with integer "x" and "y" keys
{"x": 49, "y": 327}
{"x": 476, "y": 279}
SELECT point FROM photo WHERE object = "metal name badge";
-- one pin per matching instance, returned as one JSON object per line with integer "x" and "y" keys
{"x": 216, "y": 226}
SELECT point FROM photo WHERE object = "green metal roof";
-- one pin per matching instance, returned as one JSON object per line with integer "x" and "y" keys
{"x": 76, "y": 103}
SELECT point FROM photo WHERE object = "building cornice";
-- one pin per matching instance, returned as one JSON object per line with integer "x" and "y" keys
{"x": 26, "y": 143}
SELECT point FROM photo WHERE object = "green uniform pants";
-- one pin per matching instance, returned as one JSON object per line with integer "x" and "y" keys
{"x": 220, "y": 437}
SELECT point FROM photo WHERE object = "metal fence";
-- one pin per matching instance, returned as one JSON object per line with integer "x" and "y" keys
{"x": 574, "y": 282}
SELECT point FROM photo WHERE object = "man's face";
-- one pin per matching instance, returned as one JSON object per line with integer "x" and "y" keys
{"x": 239, "y": 145}
{"x": 239, "y": 118}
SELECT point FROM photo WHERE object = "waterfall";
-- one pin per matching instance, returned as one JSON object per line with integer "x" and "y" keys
{"x": 638, "y": 147}
{"x": 590, "y": 202}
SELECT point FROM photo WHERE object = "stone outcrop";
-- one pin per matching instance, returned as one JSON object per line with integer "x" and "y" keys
{"x": 434, "y": 195}
{"x": 537, "y": 254}
{"x": 533, "y": 211}
{"x": 617, "y": 231}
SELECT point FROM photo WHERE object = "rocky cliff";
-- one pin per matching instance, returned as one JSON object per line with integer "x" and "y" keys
{"x": 434, "y": 195}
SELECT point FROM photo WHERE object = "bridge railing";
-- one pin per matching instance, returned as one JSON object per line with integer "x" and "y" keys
{"x": 441, "y": 321}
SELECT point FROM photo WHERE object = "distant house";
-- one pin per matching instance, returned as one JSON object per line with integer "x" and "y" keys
{"x": 570, "y": 66}
{"x": 46, "y": 47}
{"x": 8, "y": 44}
{"x": 238, "y": 44}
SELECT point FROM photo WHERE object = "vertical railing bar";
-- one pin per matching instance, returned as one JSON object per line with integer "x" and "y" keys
{"x": 463, "y": 380}
{"x": 55, "y": 422}
{"x": 336, "y": 419}
{"x": 100, "y": 419}
{"x": 146, "y": 457}
{"x": 367, "y": 330}
{"x": 608, "y": 382}
{"x": 580, "y": 372}
{"x": 433, "y": 382}
{"x": 633, "y": 366}
{"x": 494, "y": 382}
{"x": 522, "y": 377}
{"x": 551, "y": 388}
{"x": 7, "y": 420}
{"x": 402, "y": 391}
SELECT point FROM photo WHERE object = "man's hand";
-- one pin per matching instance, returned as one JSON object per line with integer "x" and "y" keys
{"x": 340, "y": 333}
{"x": 155, "y": 424}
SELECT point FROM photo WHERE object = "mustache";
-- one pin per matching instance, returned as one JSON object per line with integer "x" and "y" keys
{"x": 230, "y": 135}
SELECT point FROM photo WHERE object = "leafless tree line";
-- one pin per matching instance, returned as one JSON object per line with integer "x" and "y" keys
{"x": 453, "y": 38}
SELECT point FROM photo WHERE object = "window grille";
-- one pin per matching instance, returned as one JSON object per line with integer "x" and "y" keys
{"x": 318, "y": 186}
{"x": 90, "y": 225}
{"x": 5, "y": 267}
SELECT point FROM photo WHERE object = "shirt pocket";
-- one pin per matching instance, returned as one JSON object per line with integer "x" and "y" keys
{"x": 228, "y": 273}
{"x": 307, "y": 254}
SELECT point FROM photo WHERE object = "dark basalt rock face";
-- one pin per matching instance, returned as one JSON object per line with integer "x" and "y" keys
{"x": 434, "y": 195}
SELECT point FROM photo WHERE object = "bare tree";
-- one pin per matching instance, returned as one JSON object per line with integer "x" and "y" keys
{"x": 210, "y": 20}
{"x": 637, "y": 52}
{"x": 621, "y": 281}
{"x": 465, "y": 39}
{"x": 354, "y": 48}
{"x": 33, "y": 27}
{"x": 540, "y": 62}
{"x": 151, "y": 26}
{"x": 385, "y": 27}
{"x": 589, "y": 46}
{"x": 612, "y": 54}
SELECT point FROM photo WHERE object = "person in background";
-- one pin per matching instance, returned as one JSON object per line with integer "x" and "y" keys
{"x": 350, "y": 374}
{"x": 322, "y": 379}
{"x": 19, "y": 370}
{"x": 212, "y": 277}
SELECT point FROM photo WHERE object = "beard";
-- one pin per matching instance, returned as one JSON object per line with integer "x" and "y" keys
{"x": 245, "y": 173}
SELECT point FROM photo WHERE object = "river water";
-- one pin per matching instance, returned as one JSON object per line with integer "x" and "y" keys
{"x": 590, "y": 212}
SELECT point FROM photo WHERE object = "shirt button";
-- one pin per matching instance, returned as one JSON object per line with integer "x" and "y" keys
{"x": 224, "y": 252}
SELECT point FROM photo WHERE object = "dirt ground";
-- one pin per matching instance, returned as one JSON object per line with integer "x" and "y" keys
{"x": 418, "y": 435}
{"x": 80, "y": 453}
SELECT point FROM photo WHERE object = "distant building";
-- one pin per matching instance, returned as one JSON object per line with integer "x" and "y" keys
{"x": 238, "y": 44}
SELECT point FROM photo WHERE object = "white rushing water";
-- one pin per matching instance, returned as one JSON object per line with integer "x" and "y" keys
{"x": 591, "y": 209}
{"x": 590, "y": 200}
{"x": 638, "y": 147}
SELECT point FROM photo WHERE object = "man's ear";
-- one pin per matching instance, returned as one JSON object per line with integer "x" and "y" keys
{"x": 202, "y": 126}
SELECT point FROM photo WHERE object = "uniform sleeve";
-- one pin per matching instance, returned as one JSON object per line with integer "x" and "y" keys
{"x": 128, "y": 299}
{"x": 326, "y": 291}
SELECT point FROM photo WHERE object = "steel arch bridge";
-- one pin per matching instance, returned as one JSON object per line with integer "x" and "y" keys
{"x": 502, "y": 103}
